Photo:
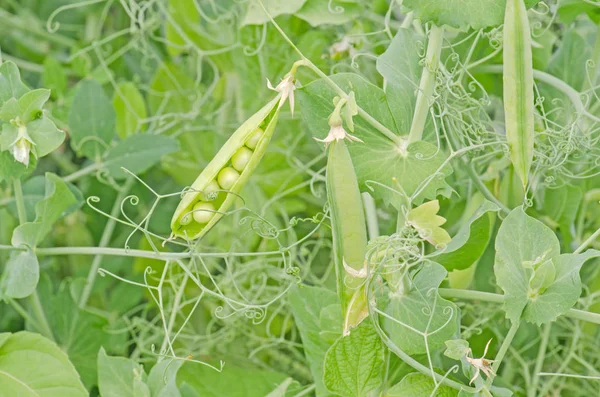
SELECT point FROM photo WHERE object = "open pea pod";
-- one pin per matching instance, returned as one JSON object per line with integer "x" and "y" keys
{"x": 217, "y": 187}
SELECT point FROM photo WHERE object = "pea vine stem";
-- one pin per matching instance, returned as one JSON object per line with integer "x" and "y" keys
{"x": 34, "y": 299}
{"x": 339, "y": 91}
{"x": 427, "y": 83}
{"x": 104, "y": 241}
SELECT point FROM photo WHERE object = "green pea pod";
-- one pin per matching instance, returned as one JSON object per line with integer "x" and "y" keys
{"x": 349, "y": 232}
{"x": 217, "y": 186}
{"x": 518, "y": 88}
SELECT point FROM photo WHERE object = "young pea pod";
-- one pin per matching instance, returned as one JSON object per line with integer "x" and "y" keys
{"x": 216, "y": 188}
{"x": 518, "y": 88}
{"x": 349, "y": 233}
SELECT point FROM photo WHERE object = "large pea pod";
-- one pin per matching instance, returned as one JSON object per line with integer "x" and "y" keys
{"x": 518, "y": 88}
{"x": 349, "y": 233}
{"x": 216, "y": 188}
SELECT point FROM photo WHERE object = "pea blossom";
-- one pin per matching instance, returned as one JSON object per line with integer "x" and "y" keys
{"x": 21, "y": 147}
{"x": 286, "y": 87}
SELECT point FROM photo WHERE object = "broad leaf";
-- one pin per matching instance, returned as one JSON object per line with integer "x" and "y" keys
{"x": 10, "y": 82}
{"x": 91, "y": 119}
{"x": 121, "y": 377}
{"x": 255, "y": 15}
{"x": 58, "y": 199}
{"x": 138, "y": 153}
{"x": 419, "y": 385}
{"x": 162, "y": 379}
{"x": 476, "y": 14}
{"x": 20, "y": 276}
{"x": 308, "y": 305}
{"x": 231, "y": 382}
{"x": 469, "y": 243}
{"x": 130, "y": 109}
{"x": 421, "y": 313}
{"x": 336, "y": 12}
{"x": 354, "y": 364}
{"x": 33, "y": 366}
{"x": 456, "y": 348}
{"x": 378, "y": 158}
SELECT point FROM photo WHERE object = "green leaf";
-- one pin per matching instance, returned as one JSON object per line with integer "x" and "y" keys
{"x": 31, "y": 104}
{"x": 378, "y": 158}
{"x": 21, "y": 275}
{"x": 120, "y": 377}
{"x": 520, "y": 240}
{"x": 255, "y": 15}
{"x": 138, "y": 153}
{"x": 354, "y": 364}
{"x": 231, "y": 382}
{"x": 54, "y": 77}
{"x": 130, "y": 109}
{"x": 477, "y": 14}
{"x": 307, "y": 304}
{"x": 33, "y": 366}
{"x": 427, "y": 222}
{"x": 330, "y": 323}
{"x": 336, "y": 12}
{"x": 562, "y": 205}
{"x": 456, "y": 348}
{"x": 467, "y": 246}
{"x": 401, "y": 69}
{"x": 91, "y": 119}
{"x": 10, "y": 82}
{"x": 425, "y": 312}
{"x": 419, "y": 385}
{"x": 79, "y": 333}
{"x": 569, "y": 61}
{"x": 58, "y": 199}
{"x": 539, "y": 284}
{"x": 11, "y": 169}
{"x": 162, "y": 379}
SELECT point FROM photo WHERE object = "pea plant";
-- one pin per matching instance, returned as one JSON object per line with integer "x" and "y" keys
{"x": 395, "y": 198}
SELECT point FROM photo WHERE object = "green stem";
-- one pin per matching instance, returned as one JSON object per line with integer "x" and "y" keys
{"x": 573, "y": 94}
{"x": 21, "y": 212}
{"x": 370, "y": 215}
{"x": 539, "y": 362}
{"x": 497, "y": 298}
{"x": 427, "y": 84}
{"x": 505, "y": 345}
{"x": 36, "y": 306}
{"x": 587, "y": 242}
{"x": 104, "y": 241}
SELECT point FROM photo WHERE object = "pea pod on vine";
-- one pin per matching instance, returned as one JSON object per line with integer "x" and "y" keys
{"x": 347, "y": 221}
{"x": 216, "y": 188}
{"x": 518, "y": 88}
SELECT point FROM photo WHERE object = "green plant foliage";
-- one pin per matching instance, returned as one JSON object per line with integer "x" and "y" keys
{"x": 293, "y": 198}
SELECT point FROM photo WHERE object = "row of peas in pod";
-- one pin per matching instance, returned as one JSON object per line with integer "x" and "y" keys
{"x": 217, "y": 187}
{"x": 204, "y": 209}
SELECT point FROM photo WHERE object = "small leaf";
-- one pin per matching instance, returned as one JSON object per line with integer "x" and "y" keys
{"x": 33, "y": 366}
{"x": 31, "y": 104}
{"x": 354, "y": 364}
{"x": 470, "y": 242}
{"x": 10, "y": 82}
{"x": 456, "y": 348}
{"x": 54, "y": 77}
{"x": 255, "y": 15}
{"x": 307, "y": 304}
{"x": 58, "y": 199}
{"x": 138, "y": 153}
{"x": 21, "y": 275}
{"x": 130, "y": 109}
{"x": 331, "y": 12}
{"x": 91, "y": 119}
{"x": 421, "y": 312}
{"x": 425, "y": 220}
{"x": 162, "y": 379}
{"x": 419, "y": 385}
{"x": 120, "y": 377}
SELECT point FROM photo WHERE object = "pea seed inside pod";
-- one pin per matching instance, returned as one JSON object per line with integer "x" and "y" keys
{"x": 241, "y": 158}
{"x": 227, "y": 178}
{"x": 203, "y": 212}
{"x": 252, "y": 142}
{"x": 210, "y": 191}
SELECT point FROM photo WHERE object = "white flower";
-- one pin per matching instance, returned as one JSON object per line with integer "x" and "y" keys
{"x": 286, "y": 87}
{"x": 21, "y": 147}
{"x": 336, "y": 133}
{"x": 482, "y": 364}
